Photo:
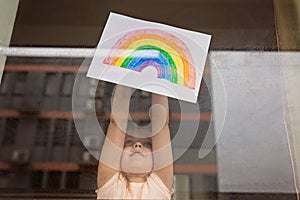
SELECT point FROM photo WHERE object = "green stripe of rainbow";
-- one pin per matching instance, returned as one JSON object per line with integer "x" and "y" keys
{"x": 173, "y": 49}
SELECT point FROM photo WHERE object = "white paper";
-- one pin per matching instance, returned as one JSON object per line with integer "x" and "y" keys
{"x": 165, "y": 60}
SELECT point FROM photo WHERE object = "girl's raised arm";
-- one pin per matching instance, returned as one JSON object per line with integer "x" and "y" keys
{"x": 109, "y": 162}
{"x": 161, "y": 144}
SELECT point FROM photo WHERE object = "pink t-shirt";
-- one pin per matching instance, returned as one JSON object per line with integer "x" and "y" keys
{"x": 116, "y": 188}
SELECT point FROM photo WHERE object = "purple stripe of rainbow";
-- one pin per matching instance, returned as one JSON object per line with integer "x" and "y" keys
{"x": 151, "y": 63}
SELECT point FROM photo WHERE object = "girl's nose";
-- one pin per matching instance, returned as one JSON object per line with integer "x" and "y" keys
{"x": 138, "y": 145}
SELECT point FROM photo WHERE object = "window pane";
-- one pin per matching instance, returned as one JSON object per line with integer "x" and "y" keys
{"x": 10, "y": 131}
{"x": 72, "y": 180}
{"x": 67, "y": 84}
{"x": 51, "y": 84}
{"x": 42, "y": 135}
{"x": 4, "y": 86}
{"x": 60, "y": 132}
{"x": 20, "y": 83}
{"x": 36, "y": 179}
{"x": 54, "y": 179}
{"x": 75, "y": 141}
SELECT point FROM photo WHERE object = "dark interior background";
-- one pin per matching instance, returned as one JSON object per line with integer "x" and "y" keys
{"x": 234, "y": 24}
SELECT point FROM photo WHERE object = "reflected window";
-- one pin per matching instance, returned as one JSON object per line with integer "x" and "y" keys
{"x": 10, "y": 132}
{"x": 75, "y": 141}
{"x": 54, "y": 179}
{"x": 36, "y": 179}
{"x": 42, "y": 135}
{"x": 4, "y": 86}
{"x": 72, "y": 181}
{"x": 67, "y": 84}
{"x": 51, "y": 84}
{"x": 20, "y": 83}
{"x": 60, "y": 132}
{"x": 4, "y": 178}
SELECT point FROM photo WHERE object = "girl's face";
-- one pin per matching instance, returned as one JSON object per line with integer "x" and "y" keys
{"x": 137, "y": 155}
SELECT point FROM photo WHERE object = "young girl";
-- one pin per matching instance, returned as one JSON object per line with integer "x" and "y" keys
{"x": 137, "y": 164}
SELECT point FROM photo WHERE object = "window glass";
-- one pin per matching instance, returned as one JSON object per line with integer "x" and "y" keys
{"x": 60, "y": 133}
{"x": 246, "y": 119}
{"x": 10, "y": 132}
{"x": 43, "y": 132}
{"x": 67, "y": 84}
{"x": 51, "y": 84}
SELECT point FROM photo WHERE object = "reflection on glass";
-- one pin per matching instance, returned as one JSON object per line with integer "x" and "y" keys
{"x": 40, "y": 146}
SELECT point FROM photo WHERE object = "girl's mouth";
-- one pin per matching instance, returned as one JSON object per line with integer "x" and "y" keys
{"x": 137, "y": 153}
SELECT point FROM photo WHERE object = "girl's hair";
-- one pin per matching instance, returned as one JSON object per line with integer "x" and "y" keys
{"x": 128, "y": 188}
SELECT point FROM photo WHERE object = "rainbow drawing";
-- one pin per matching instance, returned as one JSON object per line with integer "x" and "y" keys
{"x": 169, "y": 55}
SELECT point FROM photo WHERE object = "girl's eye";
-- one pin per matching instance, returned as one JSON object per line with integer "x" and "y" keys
{"x": 148, "y": 145}
{"x": 128, "y": 142}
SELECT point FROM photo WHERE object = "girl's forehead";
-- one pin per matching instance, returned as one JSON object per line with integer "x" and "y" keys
{"x": 137, "y": 138}
{"x": 137, "y": 132}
